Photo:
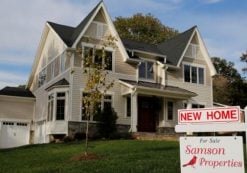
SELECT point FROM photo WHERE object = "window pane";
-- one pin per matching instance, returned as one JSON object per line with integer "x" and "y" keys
{"x": 88, "y": 55}
{"x": 201, "y": 75}
{"x": 142, "y": 70}
{"x": 194, "y": 74}
{"x": 60, "y": 109}
{"x": 150, "y": 71}
{"x": 170, "y": 110}
{"x": 98, "y": 57}
{"x": 186, "y": 73}
{"x": 128, "y": 107}
{"x": 61, "y": 94}
{"x": 194, "y": 105}
{"x": 108, "y": 60}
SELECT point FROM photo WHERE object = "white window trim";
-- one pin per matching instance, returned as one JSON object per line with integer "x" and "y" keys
{"x": 55, "y": 91}
{"x": 125, "y": 107}
{"x": 98, "y": 46}
{"x": 91, "y": 118}
{"x": 197, "y": 67}
{"x": 145, "y": 60}
{"x": 173, "y": 111}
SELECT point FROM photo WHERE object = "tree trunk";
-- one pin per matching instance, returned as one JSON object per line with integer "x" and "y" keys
{"x": 86, "y": 144}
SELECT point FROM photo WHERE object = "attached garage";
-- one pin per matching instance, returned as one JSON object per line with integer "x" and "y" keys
{"x": 16, "y": 114}
{"x": 14, "y": 134}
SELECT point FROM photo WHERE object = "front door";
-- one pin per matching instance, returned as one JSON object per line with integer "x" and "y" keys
{"x": 146, "y": 115}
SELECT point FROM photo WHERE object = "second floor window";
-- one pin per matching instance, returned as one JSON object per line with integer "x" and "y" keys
{"x": 96, "y": 56}
{"x": 146, "y": 70}
{"x": 193, "y": 74}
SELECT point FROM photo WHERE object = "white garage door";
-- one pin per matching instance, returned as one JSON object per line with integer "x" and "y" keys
{"x": 14, "y": 134}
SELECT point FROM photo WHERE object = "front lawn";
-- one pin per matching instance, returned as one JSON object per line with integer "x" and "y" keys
{"x": 123, "y": 156}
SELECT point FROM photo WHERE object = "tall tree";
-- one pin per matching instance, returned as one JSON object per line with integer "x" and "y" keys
{"x": 243, "y": 58}
{"x": 144, "y": 28}
{"x": 228, "y": 86}
{"x": 97, "y": 83}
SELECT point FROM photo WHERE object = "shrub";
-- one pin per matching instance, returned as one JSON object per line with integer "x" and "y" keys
{"x": 79, "y": 136}
{"x": 107, "y": 122}
{"x": 67, "y": 139}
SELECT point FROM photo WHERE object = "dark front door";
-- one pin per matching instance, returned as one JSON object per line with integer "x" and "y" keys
{"x": 146, "y": 115}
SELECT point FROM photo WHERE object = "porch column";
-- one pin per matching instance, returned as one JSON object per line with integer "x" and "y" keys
{"x": 189, "y": 104}
{"x": 134, "y": 113}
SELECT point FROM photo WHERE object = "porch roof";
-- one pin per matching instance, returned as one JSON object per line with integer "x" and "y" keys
{"x": 60, "y": 83}
{"x": 158, "y": 87}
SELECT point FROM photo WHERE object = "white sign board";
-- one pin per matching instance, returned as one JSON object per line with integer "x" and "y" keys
{"x": 211, "y": 155}
{"x": 209, "y": 115}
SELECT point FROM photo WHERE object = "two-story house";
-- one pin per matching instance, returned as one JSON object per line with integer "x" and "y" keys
{"x": 151, "y": 81}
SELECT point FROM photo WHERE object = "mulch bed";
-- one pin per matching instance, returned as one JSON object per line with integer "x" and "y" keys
{"x": 83, "y": 156}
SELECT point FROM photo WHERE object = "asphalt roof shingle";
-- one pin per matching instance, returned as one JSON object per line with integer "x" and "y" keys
{"x": 69, "y": 34}
{"x": 16, "y": 91}
{"x": 172, "y": 48}
{"x": 62, "y": 82}
{"x": 159, "y": 86}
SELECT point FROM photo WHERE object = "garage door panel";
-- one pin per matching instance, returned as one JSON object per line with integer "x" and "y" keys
{"x": 14, "y": 134}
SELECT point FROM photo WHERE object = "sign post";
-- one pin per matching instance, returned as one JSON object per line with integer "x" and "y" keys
{"x": 211, "y": 154}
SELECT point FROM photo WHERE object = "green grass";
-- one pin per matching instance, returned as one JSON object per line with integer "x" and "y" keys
{"x": 119, "y": 156}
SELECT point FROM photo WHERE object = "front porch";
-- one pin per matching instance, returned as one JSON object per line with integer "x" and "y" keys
{"x": 154, "y": 106}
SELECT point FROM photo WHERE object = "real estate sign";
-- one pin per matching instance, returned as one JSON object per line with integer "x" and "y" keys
{"x": 209, "y": 115}
{"x": 211, "y": 154}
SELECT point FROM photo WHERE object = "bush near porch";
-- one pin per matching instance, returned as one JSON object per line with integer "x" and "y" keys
{"x": 116, "y": 156}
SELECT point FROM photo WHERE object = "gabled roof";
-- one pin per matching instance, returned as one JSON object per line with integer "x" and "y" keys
{"x": 16, "y": 91}
{"x": 69, "y": 34}
{"x": 168, "y": 89}
{"x": 174, "y": 47}
{"x": 135, "y": 45}
{"x": 60, "y": 83}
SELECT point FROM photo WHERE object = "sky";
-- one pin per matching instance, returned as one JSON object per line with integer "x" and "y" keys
{"x": 222, "y": 24}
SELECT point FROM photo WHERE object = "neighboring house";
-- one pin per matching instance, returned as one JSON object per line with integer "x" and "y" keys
{"x": 16, "y": 114}
{"x": 151, "y": 81}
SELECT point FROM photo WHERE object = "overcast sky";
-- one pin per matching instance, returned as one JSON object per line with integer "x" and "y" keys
{"x": 222, "y": 23}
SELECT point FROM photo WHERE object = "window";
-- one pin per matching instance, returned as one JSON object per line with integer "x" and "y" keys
{"x": 128, "y": 106}
{"x": 169, "y": 110}
{"x": 197, "y": 106}
{"x": 201, "y": 75}
{"x": 146, "y": 70}
{"x": 193, "y": 74}
{"x": 50, "y": 107}
{"x": 106, "y": 102}
{"x": 42, "y": 77}
{"x": 194, "y": 106}
{"x": 101, "y": 30}
{"x": 96, "y": 57}
{"x": 60, "y": 106}
{"x": 8, "y": 123}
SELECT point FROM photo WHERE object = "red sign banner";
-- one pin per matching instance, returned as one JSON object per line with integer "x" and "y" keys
{"x": 209, "y": 115}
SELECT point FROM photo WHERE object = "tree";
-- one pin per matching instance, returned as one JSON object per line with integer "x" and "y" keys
{"x": 97, "y": 83}
{"x": 243, "y": 58}
{"x": 228, "y": 85}
{"x": 144, "y": 28}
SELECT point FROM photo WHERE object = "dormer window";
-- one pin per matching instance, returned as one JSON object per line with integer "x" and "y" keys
{"x": 146, "y": 70}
